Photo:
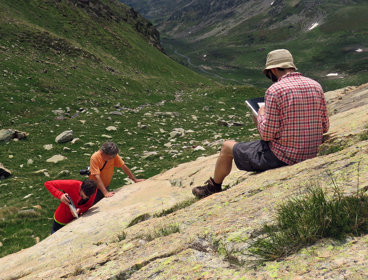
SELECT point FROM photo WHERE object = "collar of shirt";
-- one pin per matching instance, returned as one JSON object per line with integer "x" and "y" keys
{"x": 289, "y": 75}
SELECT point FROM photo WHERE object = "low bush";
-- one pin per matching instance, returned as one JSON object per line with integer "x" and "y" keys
{"x": 303, "y": 221}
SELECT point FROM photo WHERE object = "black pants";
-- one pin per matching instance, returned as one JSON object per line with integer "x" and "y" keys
{"x": 55, "y": 227}
{"x": 99, "y": 196}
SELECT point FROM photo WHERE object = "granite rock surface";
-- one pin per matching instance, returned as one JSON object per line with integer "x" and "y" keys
{"x": 210, "y": 233}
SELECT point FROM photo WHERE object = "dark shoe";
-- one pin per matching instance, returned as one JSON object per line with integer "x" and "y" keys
{"x": 207, "y": 189}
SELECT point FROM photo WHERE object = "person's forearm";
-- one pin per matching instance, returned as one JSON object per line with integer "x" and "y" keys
{"x": 100, "y": 185}
{"x": 128, "y": 172}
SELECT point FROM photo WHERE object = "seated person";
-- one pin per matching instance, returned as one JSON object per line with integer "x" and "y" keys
{"x": 82, "y": 194}
{"x": 291, "y": 125}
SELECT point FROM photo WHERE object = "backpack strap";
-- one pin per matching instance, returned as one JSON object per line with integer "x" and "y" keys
{"x": 103, "y": 166}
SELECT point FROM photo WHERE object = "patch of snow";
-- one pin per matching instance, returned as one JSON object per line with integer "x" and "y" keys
{"x": 314, "y": 25}
{"x": 332, "y": 75}
{"x": 359, "y": 50}
{"x": 272, "y": 3}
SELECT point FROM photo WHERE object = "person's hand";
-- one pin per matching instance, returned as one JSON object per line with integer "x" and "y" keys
{"x": 138, "y": 180}
{"x": 78, "y": 211}
{"x": 109, "y": 194}
{"x": 261, "y": 111}
{"x": 65, "y": 199}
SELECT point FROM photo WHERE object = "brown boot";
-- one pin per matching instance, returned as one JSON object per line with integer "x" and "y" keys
{"x": 207, "y": 189}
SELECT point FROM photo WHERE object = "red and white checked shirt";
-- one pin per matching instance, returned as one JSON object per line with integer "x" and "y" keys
{"x": 295, "y": 118}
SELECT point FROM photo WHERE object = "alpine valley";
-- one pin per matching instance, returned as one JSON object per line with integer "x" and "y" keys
{"x": 229, "y": 40}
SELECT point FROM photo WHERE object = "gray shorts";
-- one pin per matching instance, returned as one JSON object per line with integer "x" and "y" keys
{"x": 255, "y": 156}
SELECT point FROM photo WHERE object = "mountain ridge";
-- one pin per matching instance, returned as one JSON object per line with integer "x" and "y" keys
{"x": 225, "y": 37}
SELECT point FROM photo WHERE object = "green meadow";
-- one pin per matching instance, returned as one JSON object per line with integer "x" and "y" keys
{"x": 69, "y": 67}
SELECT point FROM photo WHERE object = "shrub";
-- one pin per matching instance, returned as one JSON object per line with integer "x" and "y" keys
{"x": 139, "y": 219}
{"x": 176, "y": 207}
{"x": 303, "y": 221}
{"x": 162, "y": 231}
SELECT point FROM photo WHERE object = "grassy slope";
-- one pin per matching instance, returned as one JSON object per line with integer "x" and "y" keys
{"x": 58, "y": 56}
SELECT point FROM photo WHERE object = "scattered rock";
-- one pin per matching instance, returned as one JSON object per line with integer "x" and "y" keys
{"x": 216, "y": 143}
{"x": 168, "y": 145}
{"x": 149, "y": 155}
{"x": 111, "y": 128}
{"x": 106, "y": 136}
{"x": 9, "y": 134}
{"x": 30, "y": 161}
{"x": 223, "y": 123}
{"x": 43, "y": 171}
{"x": 142, "y": 126}
{"x": 166, "y": 114}
{"x": 56, "y": 158}
{"x": 238, "y": 124}
{"x": 63, "y": 173}
{"x": 27, "y": 196}
{"x": 199, "y": 148}
{"x": 89, "y": 144}
{"x": 177, "y": 132}
{"x": 6, "y": 134}
{"x": 39, "y": 207}
{"x": 58, "y": 112}
{"x": 64, "y": 137}
{"x": 28, "y": 212}
{"x": 48, "y": 147}
{"x": 75, "y": 140}
{"x": 4, "y": 172}
{"x": 116, "y": 113}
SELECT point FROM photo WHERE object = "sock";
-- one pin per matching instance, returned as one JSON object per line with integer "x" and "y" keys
{"x": 216, "y": 184}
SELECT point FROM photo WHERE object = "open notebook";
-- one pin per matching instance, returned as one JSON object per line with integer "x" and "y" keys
{"x": 254, "y": 104}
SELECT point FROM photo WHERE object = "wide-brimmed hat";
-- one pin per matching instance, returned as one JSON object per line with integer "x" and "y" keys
{"x": 279, "y": 59}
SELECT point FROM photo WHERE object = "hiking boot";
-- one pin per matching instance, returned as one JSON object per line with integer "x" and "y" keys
{"x": 207, "y": 189}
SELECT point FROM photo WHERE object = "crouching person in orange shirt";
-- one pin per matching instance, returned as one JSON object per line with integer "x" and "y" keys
{"x": 101, "y": 170}
{"x": 80, "y": 194}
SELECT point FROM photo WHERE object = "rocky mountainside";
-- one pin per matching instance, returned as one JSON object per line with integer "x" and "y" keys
{"x": 82, "y": 67}
{"x": 229, "y": 39}
{"x": 155, "y": 230}
{"x": 196, "y": 20}
{"x": 112, "y": 12}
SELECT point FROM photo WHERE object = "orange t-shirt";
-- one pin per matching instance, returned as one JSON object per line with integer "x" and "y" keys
{"x": 97, "y": 162}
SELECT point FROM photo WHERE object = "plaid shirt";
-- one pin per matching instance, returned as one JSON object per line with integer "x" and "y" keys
{"x": 295, "y": 118}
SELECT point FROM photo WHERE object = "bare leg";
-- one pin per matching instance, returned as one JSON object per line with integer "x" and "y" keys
{"x": 224, "y": 161}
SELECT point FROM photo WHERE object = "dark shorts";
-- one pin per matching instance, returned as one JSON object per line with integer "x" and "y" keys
{"x": 255, "y": 156}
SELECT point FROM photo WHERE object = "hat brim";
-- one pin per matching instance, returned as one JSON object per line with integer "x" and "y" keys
{"x": 280, "y": 65}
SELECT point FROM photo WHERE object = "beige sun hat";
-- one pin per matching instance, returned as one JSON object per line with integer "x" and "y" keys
{"x": 281, "y": 58}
